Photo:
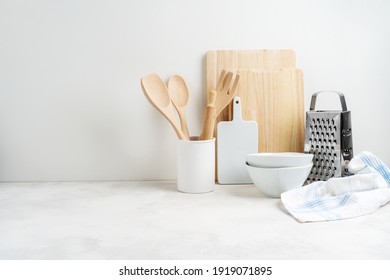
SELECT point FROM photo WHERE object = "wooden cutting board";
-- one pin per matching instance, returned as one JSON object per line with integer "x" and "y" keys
{"x": 275, "y": 100}
{"x": 217, "y": 60}
{"x": 270, "y": 95}
{"x": 236, "y": 139}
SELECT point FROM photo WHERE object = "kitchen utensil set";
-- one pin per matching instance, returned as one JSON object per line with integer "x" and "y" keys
{"x": 266, "y": 116}
{"x": 175, "y": 97}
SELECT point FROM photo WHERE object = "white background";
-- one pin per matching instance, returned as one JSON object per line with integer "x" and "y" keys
{"x": 71, "y": 105}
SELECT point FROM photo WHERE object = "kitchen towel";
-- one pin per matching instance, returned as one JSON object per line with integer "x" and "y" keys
{"x": 342, "y": 198}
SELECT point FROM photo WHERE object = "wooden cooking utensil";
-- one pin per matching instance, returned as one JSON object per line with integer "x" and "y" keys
{"x": 218, "y": 99}
{"x": 179, "y": 93}
{"x": 157, "y": 94}
{"x": 209, "y": 117}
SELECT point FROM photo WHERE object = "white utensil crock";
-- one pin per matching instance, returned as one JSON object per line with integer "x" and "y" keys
{"x": 196, "y": 165}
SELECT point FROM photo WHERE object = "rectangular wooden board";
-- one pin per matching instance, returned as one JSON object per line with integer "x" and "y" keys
{"x": 271, "y": 90}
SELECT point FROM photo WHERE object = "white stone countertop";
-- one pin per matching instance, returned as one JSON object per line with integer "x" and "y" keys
{"x": 152, "y": 220}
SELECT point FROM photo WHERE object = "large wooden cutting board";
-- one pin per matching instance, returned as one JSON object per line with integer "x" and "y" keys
{"x": 270, "y": 96}
{"x": 268, "y": 59}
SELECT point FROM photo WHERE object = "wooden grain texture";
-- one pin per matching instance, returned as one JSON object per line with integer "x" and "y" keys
{"x": 271, "y": 91}
{"x": 275, "y": 99}
{"x": 218, "y": 99}
{"x": 218, "y": 60}
{"x": 157, "y": 94}
{"x": 179, "y": 92}
{"x": 209, "y": 117}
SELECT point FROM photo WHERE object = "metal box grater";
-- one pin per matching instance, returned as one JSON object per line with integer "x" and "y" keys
{"x": 329, "y": 138}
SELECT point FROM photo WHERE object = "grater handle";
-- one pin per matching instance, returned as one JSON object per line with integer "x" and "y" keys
{"x": 341, "y": 95}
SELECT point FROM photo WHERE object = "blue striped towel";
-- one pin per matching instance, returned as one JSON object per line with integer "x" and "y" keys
{"x": 342, "y": 198}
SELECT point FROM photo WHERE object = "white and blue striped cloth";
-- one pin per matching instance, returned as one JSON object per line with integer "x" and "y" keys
{"x": 342, "y": 198}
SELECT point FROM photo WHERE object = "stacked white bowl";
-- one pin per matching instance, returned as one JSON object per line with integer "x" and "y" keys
{"x": 275, "y": 173}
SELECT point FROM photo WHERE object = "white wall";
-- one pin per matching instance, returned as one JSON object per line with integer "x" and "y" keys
{"x": 71, "y": 105}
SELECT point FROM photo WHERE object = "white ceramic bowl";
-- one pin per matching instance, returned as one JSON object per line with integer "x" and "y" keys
{"x": 274, "y": 181}
{"x": 279, "y": 159}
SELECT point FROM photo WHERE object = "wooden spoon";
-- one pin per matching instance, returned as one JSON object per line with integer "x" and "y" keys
{"x": 157, "y": 94}
{"x": 179, "y": 93}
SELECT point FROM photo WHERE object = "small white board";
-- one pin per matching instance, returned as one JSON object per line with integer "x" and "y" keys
{"x": 235, "y": 139}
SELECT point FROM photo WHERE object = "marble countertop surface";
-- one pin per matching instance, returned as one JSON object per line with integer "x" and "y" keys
{"x": 152, "y": 220}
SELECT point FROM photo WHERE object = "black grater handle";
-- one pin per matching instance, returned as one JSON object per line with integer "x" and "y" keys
{"x": 341, "y": 95}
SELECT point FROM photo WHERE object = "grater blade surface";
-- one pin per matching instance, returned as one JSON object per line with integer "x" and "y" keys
{"x": 323, "y": 141}
{"x": 329, "y": 138}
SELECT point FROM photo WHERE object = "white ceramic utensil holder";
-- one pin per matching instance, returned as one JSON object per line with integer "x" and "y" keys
{"x": 196, "y": 165}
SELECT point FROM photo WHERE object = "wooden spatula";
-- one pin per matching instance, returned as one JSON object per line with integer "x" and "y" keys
{"x": 218, "y": 99}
